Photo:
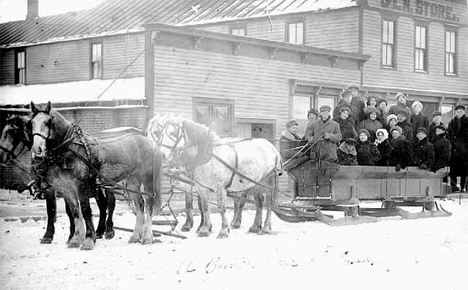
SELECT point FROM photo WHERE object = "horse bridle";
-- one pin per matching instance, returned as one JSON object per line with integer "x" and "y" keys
{"x": 180, "y": 136}
{"x": 11, "y": 152}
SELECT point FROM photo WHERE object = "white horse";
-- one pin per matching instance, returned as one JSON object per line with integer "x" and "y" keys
{"x": 221, "y": 166}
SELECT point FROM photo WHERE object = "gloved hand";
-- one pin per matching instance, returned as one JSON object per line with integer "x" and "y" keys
{"x": 423, "y": 166}
{"x": 398, "y": 167}
{"x": 326, "y": 136}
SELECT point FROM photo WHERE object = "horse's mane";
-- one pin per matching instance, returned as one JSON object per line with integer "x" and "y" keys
{"x": 199, "y": 132}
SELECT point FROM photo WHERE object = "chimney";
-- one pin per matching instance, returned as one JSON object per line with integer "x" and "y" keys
{"x": 33, "y": 9}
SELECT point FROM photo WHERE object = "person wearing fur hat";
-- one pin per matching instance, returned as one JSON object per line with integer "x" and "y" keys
{"x": 325, "y": 134}
{"x": 288, "y": 142}
{"x": 402, "y": 117}
{"x": 346, "y": 126}
{"x": 345, "y": 101}
{"x": 400, "y": 105}
{"x": 367, "y": 152}
{"x": 436, "y": 120}
{"x": 384, "y": 147}
{"x": 382, "y": 106}
{"x": 312, "y": 114}
{"x": 418, "y": 118}
{"x": 423, "y": 150}
{"x": 442, "y": 149}
{"x": 347, "y": 154}
{"x": 357, "y": 102}
{"x": 402, "y": 149}
{"x": 457, "y": 134}
{"x": 371, "y": 124}
{"x": 392, "y": 120}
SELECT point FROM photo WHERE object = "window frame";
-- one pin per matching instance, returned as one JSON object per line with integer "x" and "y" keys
{"x": 18, "y": 70}
{"x": 454, "y": 30}
{"x": 216, "y": 102}
{"x": 394, "y": 44}
{"x": 237, "y": 27}
{"x": 295, "y": 21}
{"x": 424, "y": 25}
{"x": 92, "y": 62}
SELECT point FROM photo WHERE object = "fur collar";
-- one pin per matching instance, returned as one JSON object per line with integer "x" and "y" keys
{"x": 343, "y": 148}
{"x": 290, "y": 136}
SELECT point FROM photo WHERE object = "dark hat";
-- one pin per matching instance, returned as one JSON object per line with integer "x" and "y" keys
{"x": 351, "y": 141}
{"x": 345, "y": 108}
{"x": 312, "y": 111}
{"x": 402, "y": 112}
{"x": 368, "y": 110}
{"x": 325, "y": 108}
{"x": 345, "y": 92}
{"x": 353, "y": 87}
{"x": 421, "y": 130}
{"x": 398, "y": 128}
{"x": 436, "y": 113}
{"x": 458, "y": 107}
{"x": 291, "y": 123}
{"x": 365, "y": 132}
{"x": 441, "y": 127}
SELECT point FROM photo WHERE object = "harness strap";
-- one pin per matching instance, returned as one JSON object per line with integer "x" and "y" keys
{"x": 235, "y": 166}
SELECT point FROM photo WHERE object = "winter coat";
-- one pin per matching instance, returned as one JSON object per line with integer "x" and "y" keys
{"x": 347, "y": 128}
{"x": 325, "y": 149}
{"x": 290, "y": 145}
{"x": 417, "y": 121}
{"x": 442, "y": 151}
{"x": 423, "y": 154}
{"x": 382, "y": 118}
{"x": 353, "y": 114}
{"x": 371, "y": 126}
{"x": 402, "y": 152}
{"x": 457, "y": 134}
{"x": 407, "y": 130}
{"x": 385, "y": 148}
{"x": 360, "y": 105}
{"x": 367, "y": 153}
{"x": 398, "y": 107}
{"x": 345, "y": 156}
{"x": 432, "y": 132}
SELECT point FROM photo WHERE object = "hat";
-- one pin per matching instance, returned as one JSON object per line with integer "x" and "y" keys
{"x": 402, "y": 112}
{"x": 291, "y": 123}
{"x": 391, "y": 116}
{"x": 345, "y": 92}
{"x": 416, "y": 103}
{"x": 379, "y": 101}
{"x": 312, "y": 111}
{"x": 353, "y": 87}
{"x": 383, "y": 131}
{"x": 457, "y": 107}
{"x": 400, "y": 95}
{"x": 441, "y": 127}
{"x": 436, "y": 113}
{"x": 325, "y": 108}
{"x": 421, "y": 130}
{"x": 369, "y": 110}
{"x": 345, "y": 108}
{"x": 398, "y": 128}
{"x": 365, "y": 132}
{"x": 351, "y": 141}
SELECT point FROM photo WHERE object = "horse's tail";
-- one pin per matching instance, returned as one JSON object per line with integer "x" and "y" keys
{"x": 157, "y": 182}
{"x": 278, "y": 165}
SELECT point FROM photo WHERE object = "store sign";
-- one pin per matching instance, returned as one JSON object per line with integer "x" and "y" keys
{"x": 424, "y": 8}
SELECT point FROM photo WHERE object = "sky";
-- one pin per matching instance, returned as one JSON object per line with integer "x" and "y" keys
{"x": 12, "y": 10}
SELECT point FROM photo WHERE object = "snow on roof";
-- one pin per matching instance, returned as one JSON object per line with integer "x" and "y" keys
{"x": 83, "y": 91}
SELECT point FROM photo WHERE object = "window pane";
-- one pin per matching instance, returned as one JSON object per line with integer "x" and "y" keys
{"x": 418, "y": 36}
{"x": 21, "y": 60}
{"x": 300, "y": 33}
{"x": 447, "y": 41}
{"x": 292, "y": 33}
{"x": 216, "y": 117}
{"x": 423, "y": 37}
{"x": 452, "y": 42}
{"x": 96, "y": 52}
{"x": 390, "y": 32}
{"x": 326, "y": 101}
{"x": 385, "y": 32}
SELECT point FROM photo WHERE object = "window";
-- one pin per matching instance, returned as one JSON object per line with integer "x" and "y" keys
{"x": 240, "y": 31}
{"x": 388, "y": 43}
{"x": 295, "y": 32}
{"x": 420, "y": 48}
{"x": 450, "y": 52}
{"x": 218, "y": 115}
{"x": 447, "y": 113}
{"x": 20, "y": 71}
{"x": 96, "y": 61}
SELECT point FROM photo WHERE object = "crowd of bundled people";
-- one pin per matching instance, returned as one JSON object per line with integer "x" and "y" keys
{"x": 365, "y": 131}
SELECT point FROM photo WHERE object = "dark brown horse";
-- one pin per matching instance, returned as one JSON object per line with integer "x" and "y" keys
{"x": 71, "y": 161}
{"x": 16, "y": 138}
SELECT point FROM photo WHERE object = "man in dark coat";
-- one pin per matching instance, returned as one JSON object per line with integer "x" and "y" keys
{"x": 367, "y": 152}
{"x": 290, "y": 144}
{"x": 345, "y": 101}
{"x": 404, "y": 125}
{"x": 325, "y": 134}
{"x": 442, "y": 149}
{"x": 357, "y": 102}
{"x": 418, "y": 119}
{"x": 436, "y": 121}
{"x": 346, "y": 126}
{"x": 402, "y": 152}
{"x": 457, "y": 134}
{"x": 400, "y": 105}
{"x": 423, "y": 150}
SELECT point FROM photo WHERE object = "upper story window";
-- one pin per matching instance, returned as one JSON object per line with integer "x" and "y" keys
{"x": 295, "y": 32}
{"x": 20, "y": 68}
{"x": 96, "y": 60}
{"x": 239, "y": 31}
{"x": 388, "y": 43}
{"x": 420, "y": 48}
{"x": 451, "y": 52}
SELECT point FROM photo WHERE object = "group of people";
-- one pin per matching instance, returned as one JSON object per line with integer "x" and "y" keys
{"x": 368, "y": 132}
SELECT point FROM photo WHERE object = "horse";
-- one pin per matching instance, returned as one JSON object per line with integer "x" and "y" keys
{"x": 154, "y": 129}
{"x": 71, "y": 161}
{"x": 16, "y": 138}
{"x": 220, "y": 166}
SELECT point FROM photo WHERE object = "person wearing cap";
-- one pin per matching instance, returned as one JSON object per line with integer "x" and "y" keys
{"x": 392, "y": 120}
{"x": 345, "y": 101}
{"x": 347, "y": 154}
{"x": 357, "y": 102}
{"x": 436, "y": 120}
{"x": 312, "y": 114}
{"x": 442, "y": 149}
{"x": 402, "y": 149}
{"x": 367, "y": 152}
{"x": 384, "y": 147}
{"x": 400, "y": 105}
{"x": 289, "y": 142}
{"x": 418, "y": 118}
{"x": 325, "y": 135}
{"x": 346, "y": 126}
{"x": 423, "y": 150}
{"x": 402, "y": 117}
{"x": 457, "y": 134}
{"x": 371, "y": 124}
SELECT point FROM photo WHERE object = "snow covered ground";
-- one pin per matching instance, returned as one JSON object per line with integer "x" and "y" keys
{"x": 390, "y": 254}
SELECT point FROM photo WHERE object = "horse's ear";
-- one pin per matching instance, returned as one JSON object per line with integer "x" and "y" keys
{"x": 49, "y": 106}
{"x": 33, "y": 108}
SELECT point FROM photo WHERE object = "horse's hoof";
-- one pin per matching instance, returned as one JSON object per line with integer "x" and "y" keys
{"x": 88, "y": 244}
{"x": 222, "y": 235}
{"x": 46, "y": 240}
{"x": 255, "y": 230}
{"x": 186, "y": 227}
{"x": 235, "y": 225}
{"x": 99, "y": 235}
{"x": 265, "y": 231}
{"x": 74, "y": 244}
{"x": 110, "y": 235}
{"x": 134, "y": 240}
{"x": 147, "y": 241}
{"x": 203, "y": 233}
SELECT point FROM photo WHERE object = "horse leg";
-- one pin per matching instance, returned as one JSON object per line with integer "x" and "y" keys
{"x": 149, "y": 206}
{"x": 110, "y": 207}
{"x": 51, "y": 205}
{"x": 72, "y": 221}
{"x": 221, "y": 200}
{"x": 257, "y": 225}
{"x": 205, "y": 229}
{"x": 75, "y": 211}
{"x": 267, "y": 225}
{"x": 188, "y": 213}
{"x": 101, "y": 201}
{"x": 202, "y": 215}
{"x": 238, "y": 207}
{"x": 138, "y": 200}
{"x": 90, "y": 237}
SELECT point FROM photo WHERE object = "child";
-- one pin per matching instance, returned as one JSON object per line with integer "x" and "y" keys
{"x": 442, "y": 149}
{"x": 423, "y": 151}
{"x": 384, "y": 147}
{"x": 367, "y": 152}
{"x": 347, "y": 154}
{"x": 402, "y": 150}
